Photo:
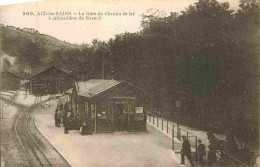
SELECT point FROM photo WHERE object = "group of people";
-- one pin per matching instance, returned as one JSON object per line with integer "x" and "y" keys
{"x": 229, "y": 146}
{"x": 186, "y": 151}
{"x": 71, "y": 121}
{"x": 61, "y": 116}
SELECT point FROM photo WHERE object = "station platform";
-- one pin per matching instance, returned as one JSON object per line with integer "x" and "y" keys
{"x": 151, "y": 148}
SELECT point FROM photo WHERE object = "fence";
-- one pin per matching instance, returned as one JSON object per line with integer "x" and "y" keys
{"x": 175, "y": 132}
{"x": 232, "y": 161}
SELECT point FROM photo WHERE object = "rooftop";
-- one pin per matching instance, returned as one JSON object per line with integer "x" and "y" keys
{"x": 48, "y": 68}
{"x": 93, "y": 87}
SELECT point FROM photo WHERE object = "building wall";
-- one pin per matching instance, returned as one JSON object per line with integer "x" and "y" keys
{"x": 53, "y": 80}
{"x": 10, "y": 81}
{"x": 109, "y": 103}
{"x": 10, "y": 84}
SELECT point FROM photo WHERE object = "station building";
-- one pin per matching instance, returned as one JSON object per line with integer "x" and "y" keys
{"x": 51, "y": 80}
{"x": 10, "y": 81}
{"x": 109, "y": 105}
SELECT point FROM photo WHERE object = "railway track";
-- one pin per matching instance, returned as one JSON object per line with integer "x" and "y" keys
{"x": 38, "y": 150}
{"x": 34, "y": 153}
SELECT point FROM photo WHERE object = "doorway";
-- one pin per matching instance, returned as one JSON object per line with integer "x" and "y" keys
{"x": 120, "y": 117}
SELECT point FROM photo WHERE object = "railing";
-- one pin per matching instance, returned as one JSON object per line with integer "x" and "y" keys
{"x": 175, "y": 132}
{"x": 230, "y": 160}
{"x": 170, "y": 128}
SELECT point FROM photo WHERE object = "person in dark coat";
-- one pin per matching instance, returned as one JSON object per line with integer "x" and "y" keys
{"x": 66, "y": 124}
{"x": 186, "y": 151}
{"x": 61, "y": 107}
{"x": 88, "y": 126}
{"x": 201, "y": 150}
{"x": 55, "y": 117}
{"x": 213, "y": 146}
{"x": 59, "y": 116}
{"x": 65, "y": 112}
{"x": 72, "y": 120}
{"x": 83, "y": 129}
{"x": 232, "y": 145}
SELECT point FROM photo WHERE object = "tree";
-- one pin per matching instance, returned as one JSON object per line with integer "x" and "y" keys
{"x": 6, "y": 64}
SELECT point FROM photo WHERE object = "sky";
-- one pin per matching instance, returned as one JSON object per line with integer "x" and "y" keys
{"x": 84, "y": 31}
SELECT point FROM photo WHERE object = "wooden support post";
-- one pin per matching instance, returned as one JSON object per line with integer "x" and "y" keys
{"x": 95, "y": 118}
{"x": 2, "y": 109}
{"x": 172, "y": 136}
{"x": 76, "y": 105}
{"x": 167, "y": 126}
{"x": 59, "y": 85}
{"x": 112, "y": 109}
{"x": 196, "y": 158}
{"x": 162, "y": 123}
{"x": 71, "y": 101}
{"x": 89, "y": 117}
{"x": 145, "y": 114}
{"x": 128, "y": 109}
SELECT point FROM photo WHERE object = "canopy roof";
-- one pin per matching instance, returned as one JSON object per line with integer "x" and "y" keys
{"x": 94, "y": 87}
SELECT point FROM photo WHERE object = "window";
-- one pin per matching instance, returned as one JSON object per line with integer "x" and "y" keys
{"x": 92, "y": 110}
{"x": 86, "y": 109}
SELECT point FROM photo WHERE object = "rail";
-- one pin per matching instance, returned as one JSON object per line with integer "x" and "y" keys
{"x": 231, "y": 160}
{"x": 170, "y": 128}
{"x": 34, "y": 157}
{"x": 175, "y": 132}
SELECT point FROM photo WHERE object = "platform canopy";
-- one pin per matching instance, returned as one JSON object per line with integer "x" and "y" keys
{"x": 94, "y": 87}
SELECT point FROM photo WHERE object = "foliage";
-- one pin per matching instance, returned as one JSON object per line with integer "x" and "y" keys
{"x": 6, "y": 64}
{"x": 207, "y": 56}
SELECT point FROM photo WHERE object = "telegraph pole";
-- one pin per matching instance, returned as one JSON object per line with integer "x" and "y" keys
{"x": 2, "y": 109}
{"x": 178, "y": 105}
{"x": 103, "y": 69}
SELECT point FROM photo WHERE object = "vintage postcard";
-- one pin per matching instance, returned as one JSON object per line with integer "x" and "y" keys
{"x": 122, "y": 83}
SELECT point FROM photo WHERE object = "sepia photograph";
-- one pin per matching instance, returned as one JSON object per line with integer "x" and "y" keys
{"x": 126, "y": 83}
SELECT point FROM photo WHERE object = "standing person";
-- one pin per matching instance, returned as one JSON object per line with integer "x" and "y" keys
{"x": 83, "y": 129}
{"x": 231, "y": 144}
{"x": 59, "y": 118}
{"x": 55, "y": 117}
{"x": 65, "y": 111}
{"x": 213, "y": 145}
{"x": 186, "y": 151}
{"x": 66, "y": 124}
{"x": 61, "y": 107}
{"x": 201, "y": 152}
{"x": 88, "y": 126}
{"x": 66, "y": 108}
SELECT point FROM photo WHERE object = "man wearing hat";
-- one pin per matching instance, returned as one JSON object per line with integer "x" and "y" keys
{"x": 186, "y": 151}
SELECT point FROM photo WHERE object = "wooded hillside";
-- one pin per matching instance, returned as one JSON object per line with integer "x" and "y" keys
{"x": 206, "y": 56}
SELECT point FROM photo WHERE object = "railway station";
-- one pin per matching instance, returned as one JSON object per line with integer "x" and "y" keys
{"x": 110, "y": 105}
{"x": 130, "y": 84}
